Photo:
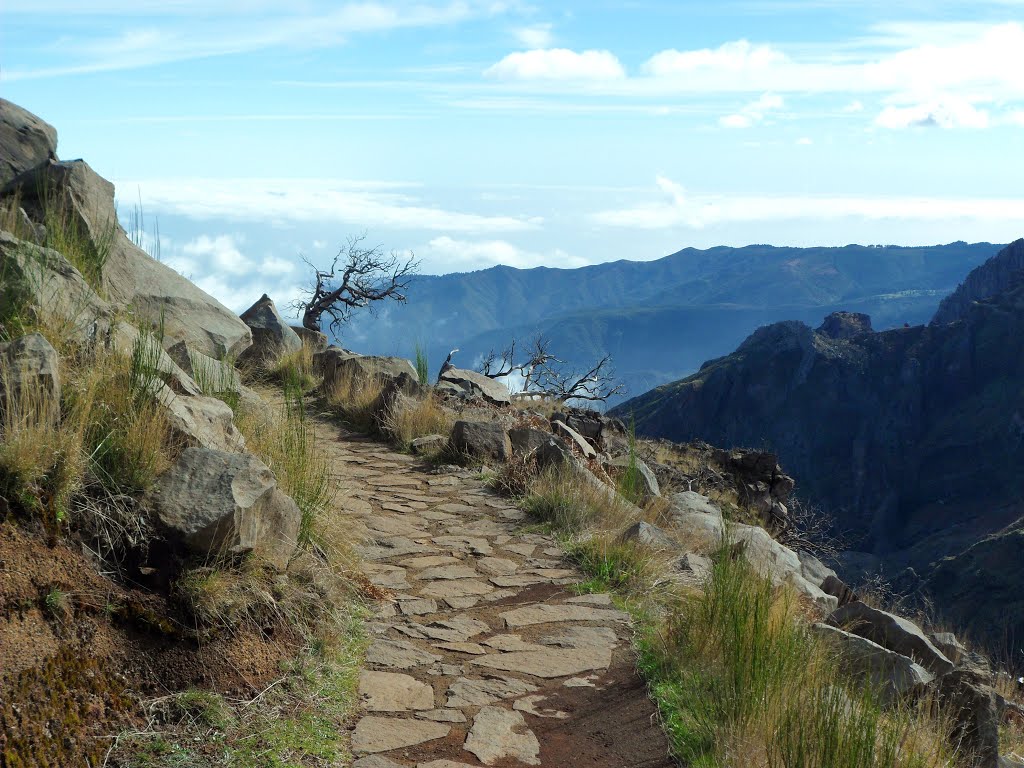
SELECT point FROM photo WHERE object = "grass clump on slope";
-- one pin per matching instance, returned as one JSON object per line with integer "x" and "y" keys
{"x": 736, "y": 672}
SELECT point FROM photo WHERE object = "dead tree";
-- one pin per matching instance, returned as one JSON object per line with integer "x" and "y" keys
{"x": 357, "y": 278}
{"x": 545, "y": 374}
{"x": 596, "y": 384}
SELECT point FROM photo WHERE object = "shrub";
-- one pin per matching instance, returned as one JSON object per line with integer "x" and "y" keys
{"x": 353, "y": 397}
{"x": 422, "y": 366}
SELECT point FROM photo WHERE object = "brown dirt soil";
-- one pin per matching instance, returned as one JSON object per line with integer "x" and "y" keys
{"x": 80, "y": 654}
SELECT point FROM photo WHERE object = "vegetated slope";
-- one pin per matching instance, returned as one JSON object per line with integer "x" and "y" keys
{"x": 667, "y": 316}
{"x": 911, "y": 437}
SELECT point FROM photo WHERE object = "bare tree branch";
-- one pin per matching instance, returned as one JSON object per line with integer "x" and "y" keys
{"x": 358, "y": 277}
{"x": 545, "y": 374}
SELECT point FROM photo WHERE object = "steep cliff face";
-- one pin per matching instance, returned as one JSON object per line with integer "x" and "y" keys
{"x": 995, "y": 275}
{"x": 911, "y": 437}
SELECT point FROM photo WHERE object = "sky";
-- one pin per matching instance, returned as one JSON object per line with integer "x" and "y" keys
{"x": 254, "y": 134}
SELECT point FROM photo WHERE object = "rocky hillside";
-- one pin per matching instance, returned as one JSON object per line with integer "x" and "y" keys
{"x": 661, "y": 319}
{"x": 911, "y": 438}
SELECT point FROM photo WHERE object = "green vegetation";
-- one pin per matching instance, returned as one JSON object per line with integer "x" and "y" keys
{"x": 68, "y": 235}
{"x": 422, "y": 366}
{"x": 217, "y": 378}
{"x": 738, "y": 676}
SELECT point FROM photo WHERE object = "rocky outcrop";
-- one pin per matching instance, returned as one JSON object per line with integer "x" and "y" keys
{"x": 271, "y": 335}
{"x": 26, "y": 142}
{"x": 892, "y": 674}
{"x": 475, "y": 384}
{"x": 845, "y": 325}
{"x": 999, "y": 273}
{"x": 201, "y": 421}
{"x": 315, "y": 340}
{"x": 892, "y": 632}
{"x": 217, "y": 503}
{"x": 157, "y": 293}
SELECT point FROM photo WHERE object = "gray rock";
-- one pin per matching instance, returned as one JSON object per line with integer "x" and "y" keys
{"x": 893, "y": 673}
{"x": 499, "y": 734}
{"x": 813, "y": 569}
{"x": 216, "y": 502}
{"x": 429, "y": 444}
{"x": 572, "y": 437}
{"x": 833, "y": 585}
{"x": 527, "y": 440}
{"x": 698, "y": 531}
{"x": 382, "y": 734}
{"x": 648, "y": 535}
{"x": 211, "y": 375}
{"x": 271, "y": 335}
{"x": 548, "y": 663}
{"x": 976, "y": 710}
{"x": 376, "y": 761}
{"x": 477, "y": 384}
{"x": 129, "y": 340}
{"x": 397, "y": 654}
{"x": 553, "y": 453}
{"x": 698, "y": 565}
{"x": 541, "y": 613}
{"x": 649, "y": 487}
{"x": 481, "y": 440}
{"x": 394, "y": 692}
{"x": 26, "y": 142}
{"x": 467, "y": 692}
{"x": 315, "y": 340}
{"x": 336, "y": 365}
{"x": 691, "y": 502}
{"x": 30, "y": 372}
{"x": 158, "y": 295}
{"x": 43, "y": 279}
{"x": 201, "y": 421}
{"x": 892, "y": 632}
{"x": 778, "y": 562}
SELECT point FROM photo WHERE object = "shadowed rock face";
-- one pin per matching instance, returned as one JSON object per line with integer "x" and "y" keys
{"x": 913, "y": 438}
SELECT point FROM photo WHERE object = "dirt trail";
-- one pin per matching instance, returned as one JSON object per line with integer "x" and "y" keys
{"x": 485, "y": 656}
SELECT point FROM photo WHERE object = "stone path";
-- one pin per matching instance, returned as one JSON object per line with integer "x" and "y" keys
{"x": 484, "y": 655}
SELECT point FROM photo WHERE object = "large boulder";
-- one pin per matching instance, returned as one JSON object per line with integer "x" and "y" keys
{"x": 778, "y": 562}
{"x": 892, "y": 632}
{"x": 218, "y": 503}
{"x": 128, "y": 340}
{"x": 337, "y": 365}
{"x": 648, "y": 535}
{"x": 26, "y": 142}
{"x": 158, "y": 294}
{"x": 527, "y": 440}
{"x": 44, "y": 282}
{"x": 484, "y": 440}
{"x": 893, "y": 674}
{"x": 200, "y": 421}
{"x": 30, "y": 370}
{"x": 476, "y": 384}
{"x": 271, "y": 335}
{"x": 691, "y": 502}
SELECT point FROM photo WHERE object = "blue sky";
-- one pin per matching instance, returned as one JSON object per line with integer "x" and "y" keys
{"x": 475, "y": 133}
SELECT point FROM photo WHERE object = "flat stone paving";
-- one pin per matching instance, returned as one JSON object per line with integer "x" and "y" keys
{"x": 483, "y": 655}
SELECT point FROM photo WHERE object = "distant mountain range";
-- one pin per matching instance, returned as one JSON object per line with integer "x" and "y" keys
{"x": 661, "y": 319}
{"x": 913, "y": 438}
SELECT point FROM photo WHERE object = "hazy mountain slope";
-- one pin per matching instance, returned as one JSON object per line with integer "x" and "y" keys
{"x": 661, "y": 319}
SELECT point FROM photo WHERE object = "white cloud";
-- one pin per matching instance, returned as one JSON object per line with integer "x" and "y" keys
{"x": 220, "y": 252}
{"x": 804, "y": 141}
{"x": 557, "y": 64}
{"x": 752, "y": 113}
{"x": 942, "y": 112}
{"x": 370, "y": 205}
{"x": 535, "y": 36}
{"x": 737, "y": 57}
{"x": 446, "y": 254}
{"x": 853, "y": 107}
{"x": 677, "y": 209}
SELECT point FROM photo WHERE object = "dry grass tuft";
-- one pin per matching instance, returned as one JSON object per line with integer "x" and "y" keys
{"x": 409, "y": 418}
{"x": 353, "y": 397}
